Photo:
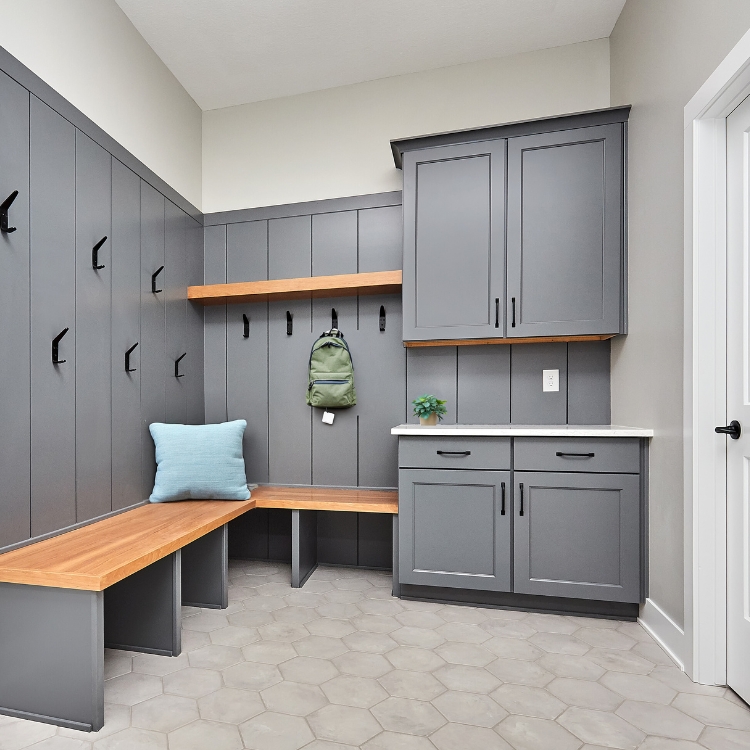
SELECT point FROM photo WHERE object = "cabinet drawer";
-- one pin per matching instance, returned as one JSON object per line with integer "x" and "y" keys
{"x": 454, "y": 452}
{"x": 612, "y": 455}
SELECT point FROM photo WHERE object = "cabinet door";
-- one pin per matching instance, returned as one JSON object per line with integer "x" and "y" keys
{"x": 93, "y": 333}
{"x": 565, "y": 232}
{"x": 454, "y": 215}
{"x": 577, "y": 535}
{"x": 454, "y": 528}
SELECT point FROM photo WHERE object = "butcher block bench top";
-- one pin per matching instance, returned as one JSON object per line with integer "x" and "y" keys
{"x": 101, "y": 554}
{"x": 326, "y": 498}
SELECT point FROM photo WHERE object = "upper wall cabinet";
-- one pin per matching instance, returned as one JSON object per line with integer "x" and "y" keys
{"x": 516, "y": 231}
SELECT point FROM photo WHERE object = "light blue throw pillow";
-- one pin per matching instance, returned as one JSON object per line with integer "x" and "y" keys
{"x": 199, "y": 462}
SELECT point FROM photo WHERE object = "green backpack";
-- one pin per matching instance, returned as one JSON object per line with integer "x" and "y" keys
{"x": 331, "y": 372}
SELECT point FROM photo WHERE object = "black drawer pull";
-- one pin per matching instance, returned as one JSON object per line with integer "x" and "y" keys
{"x": 562, "y": 454}
{"x": 497, "y": 312}
{"x": 513, "y": 317}
{"x": 520, "y": 487}
{"x": 453, "y": 453}
{"x": 502, "y": 498}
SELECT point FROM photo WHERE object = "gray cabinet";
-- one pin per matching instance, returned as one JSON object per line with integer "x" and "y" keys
{"x": 454, "y": 529}
{"x": 454, "y": 227}
{"x": 577, "y": 535}
{"x": 565, "y": 232}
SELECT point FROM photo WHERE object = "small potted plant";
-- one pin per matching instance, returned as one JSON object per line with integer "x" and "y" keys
{"x": 429, "y": 409}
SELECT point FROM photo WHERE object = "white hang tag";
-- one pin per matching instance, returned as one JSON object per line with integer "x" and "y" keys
{"x": 328, "y": 417}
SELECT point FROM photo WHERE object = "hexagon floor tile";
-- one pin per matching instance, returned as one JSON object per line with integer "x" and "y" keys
{"x": 340, "y": 665}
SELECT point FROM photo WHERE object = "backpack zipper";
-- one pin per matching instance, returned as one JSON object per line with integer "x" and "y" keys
{"x": 325, "y": 382}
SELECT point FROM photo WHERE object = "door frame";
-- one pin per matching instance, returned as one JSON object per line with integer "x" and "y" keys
{"x": 704, "y": 639}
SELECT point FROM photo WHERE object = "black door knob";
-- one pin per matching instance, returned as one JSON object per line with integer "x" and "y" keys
{"x": 733, "y": 429}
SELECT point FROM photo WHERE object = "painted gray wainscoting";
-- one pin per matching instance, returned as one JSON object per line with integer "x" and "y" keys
{"x": 215, "y": 326}
{"x": 53, "y": 288}
{"x": 15, "y": 365}
{"x": 194, "y": 370}
{"x": 175, "y": 291}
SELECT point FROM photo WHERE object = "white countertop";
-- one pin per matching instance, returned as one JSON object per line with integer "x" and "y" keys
{"x": 519, "y": 430}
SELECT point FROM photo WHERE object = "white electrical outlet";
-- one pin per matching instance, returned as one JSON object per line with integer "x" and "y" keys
{"x": 550, "y": 380}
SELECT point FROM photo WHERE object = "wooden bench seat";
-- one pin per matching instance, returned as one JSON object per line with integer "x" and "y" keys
{"x": 326, "y": 498}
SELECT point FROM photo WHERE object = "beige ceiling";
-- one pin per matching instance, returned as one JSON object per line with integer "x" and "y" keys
{"x": 228, "y": 52}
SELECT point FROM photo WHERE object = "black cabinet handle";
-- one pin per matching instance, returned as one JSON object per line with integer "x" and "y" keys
{"x": 562, "y": 454}
{"x": 733, "y": 429}
{"x": 520, "y": 487}
{"x": 334, "y": 318}
{"x": 382, "y": 318}
{"x": 289, "y": 324}
{"x": 513, "y": 308}
{"x": 154, "y": 290}
{"x": 4, "y": 206}
{"x": 453, "y": 453}
{"x": 128, "y": 368}
{"x": 177, "y": 372}
{"x": 55, "y": 347}
{"x": 246, "y": 326}
{"x": 502, "y": 498}
{"x": 95, "y": 254}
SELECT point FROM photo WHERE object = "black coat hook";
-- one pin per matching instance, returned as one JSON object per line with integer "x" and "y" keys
{"x": 246, "y": 326}
{"x": 95, "y": 254}
{"x": 177, "y": 372}
{"x": 382, "y": 318}
{"x": 288, "y": 323}
{"x": 128, "y": 368}
{"x": 4, "y": 206}
{"x": 153, "y": 280}
{"x": 334, "y": 318}
{"x": 55, "y": 346}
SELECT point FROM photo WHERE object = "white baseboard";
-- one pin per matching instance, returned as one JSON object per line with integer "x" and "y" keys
{"x": 665, "y": 631}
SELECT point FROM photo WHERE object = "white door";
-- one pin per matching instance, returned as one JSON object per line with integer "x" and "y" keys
{"x": 738, "y": 400}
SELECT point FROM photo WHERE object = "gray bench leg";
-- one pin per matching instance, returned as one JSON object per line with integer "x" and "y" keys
{"x": 142, "y": 612}
{"x": 396, "y": 584}
{"x": 52, "y": 655}
{"x": 205, "y": 570}
{"x": 304, "y": 545}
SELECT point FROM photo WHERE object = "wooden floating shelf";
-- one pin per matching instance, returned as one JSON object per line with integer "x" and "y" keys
{"x": 485, "y": 342}
{"x": 310, "y": 287}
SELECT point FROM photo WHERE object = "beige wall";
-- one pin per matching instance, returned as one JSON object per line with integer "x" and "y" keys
{"x": 335, "y": 143}
{"x": 89, "y": 52}
{"x": 661, "y": 53}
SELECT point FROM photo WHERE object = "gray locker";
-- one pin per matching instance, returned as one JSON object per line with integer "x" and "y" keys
{"x": 215, "y": 326}
{"x": 178, "y": 362}
{"x": 454, "y": 529}
{"x": 15, "y": 372}
{"x": 93, "y": 329}
{"x": 454, "y": 229}
{"x": 577, "y": 535}
{"x": 565, "y": 232}
{"x": 153, "y": 325}
{"x": 125, "y": 260}
{"x": 194, "y": 374}
{"x": 53, "y": 285}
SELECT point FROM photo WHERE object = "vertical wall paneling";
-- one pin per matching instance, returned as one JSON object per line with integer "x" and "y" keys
{"x": 484, "y": 384}
{"x": 380, "y": 239}
{"x": 53, "y": 409}
{"x": 588, "y": 382}
{"x": 528, "y": 403}
{"x": 215, "y": 325}
{"x": 432, "y": 371}
{"x": 126, "y": 330}
{"x": 194, "y": 378}
{"x": 375, "y": 540}
{"x": 93, "y": 330}
{"x": 289, "y": 428}
{"x": 175, "y": 289}
{"x": 153, "y": 370}
{"x": 247, "y": 358}
{"x": 337, "y": 538}
{"x": 15, "y": 374}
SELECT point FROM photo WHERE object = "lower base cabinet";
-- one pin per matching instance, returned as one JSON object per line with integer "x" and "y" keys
{"x": 454, "y": 529}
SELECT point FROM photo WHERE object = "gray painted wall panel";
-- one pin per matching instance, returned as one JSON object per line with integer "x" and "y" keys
{"x": 153, "y": 326}
{"x": 381, "y": 239}
{"x": 247, "y": 251}
{"x": 334, "y": 243}
{"x": 588, "y": 382}
{"x": 93, "y": 330}
{"x": 432, "y": 370}
{"x": 175, "y": 290}
{"x": 289, "y": 244}
{"x": 126, "y": 331}
{"x": 528, "y": 404}
{"x": 194, "y": 376}
{"x": 484, "y": 384}
{"x": 53, "y": 416}
{"x": 15, "y": 367}
{"x": 337, "y": 538}
{"x": 215, "y": 326}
